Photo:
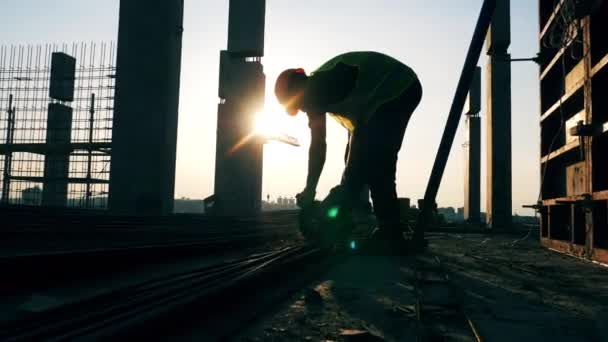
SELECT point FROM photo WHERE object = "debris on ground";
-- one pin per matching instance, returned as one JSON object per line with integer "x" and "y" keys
{"x": 313, "y": 297}
{"x": 354, "y": 335}
{"x": 533, "y": 293}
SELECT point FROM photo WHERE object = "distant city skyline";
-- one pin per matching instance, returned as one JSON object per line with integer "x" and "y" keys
{"x": 432, "y": 39}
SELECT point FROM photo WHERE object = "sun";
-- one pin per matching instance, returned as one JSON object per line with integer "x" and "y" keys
{"x": 274, "y": 124}
{"x": 266, "y": 125}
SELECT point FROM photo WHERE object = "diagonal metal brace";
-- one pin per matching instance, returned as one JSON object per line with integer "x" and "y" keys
{"x": 466, "y": 77}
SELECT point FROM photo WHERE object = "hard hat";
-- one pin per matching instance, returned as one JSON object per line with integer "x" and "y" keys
{"x": 283, "y": 89}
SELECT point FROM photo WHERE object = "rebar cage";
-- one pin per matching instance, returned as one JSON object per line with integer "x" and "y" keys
{"x": 28, "y": 154}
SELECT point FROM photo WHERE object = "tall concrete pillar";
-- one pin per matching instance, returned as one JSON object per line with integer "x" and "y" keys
{"x": 57, "y": 160}
{"x": 472, "y": 149}
{"x": 472, "y": 199}
{"x": 498, "y": 113}
{"x": 144, "y": 136}
{"x": 58, "y": 131}
{"x": 239, "y": 154}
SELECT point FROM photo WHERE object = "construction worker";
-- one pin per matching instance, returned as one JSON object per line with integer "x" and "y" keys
{"x": 373, "y": 96}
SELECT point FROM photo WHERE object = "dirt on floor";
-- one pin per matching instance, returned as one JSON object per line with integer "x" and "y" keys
{"x": 513, "y": 290}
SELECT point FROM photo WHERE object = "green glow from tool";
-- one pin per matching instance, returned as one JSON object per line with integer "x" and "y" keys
{"x": 353, "y": 244}
{"x": 332, "y": 213}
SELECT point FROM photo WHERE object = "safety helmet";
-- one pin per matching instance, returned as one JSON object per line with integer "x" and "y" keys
{"x": 285, "y": 92}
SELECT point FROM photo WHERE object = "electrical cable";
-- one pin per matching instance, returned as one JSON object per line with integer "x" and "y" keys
{"x": 566, "y": 22}
{"x": 563, "y": 35}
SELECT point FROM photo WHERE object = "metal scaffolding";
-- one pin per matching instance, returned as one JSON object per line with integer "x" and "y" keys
{"x": 27, "y": 130}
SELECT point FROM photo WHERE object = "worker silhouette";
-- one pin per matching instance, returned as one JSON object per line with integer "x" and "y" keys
{"x": 372, "y": 95}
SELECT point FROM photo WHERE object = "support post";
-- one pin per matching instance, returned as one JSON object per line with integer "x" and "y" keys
{"x": 498, "y": 114}
{"x": 144, "y": 135}
{"x": 472, "y": 182}
{"x": 59, "y": 131}
{"x": 239, "y": 153}
{"x": 472, "y": 210}
{"x": 8, "y": 158}
{"x": 90, "y": 151}
{"x": 57, "y": 162}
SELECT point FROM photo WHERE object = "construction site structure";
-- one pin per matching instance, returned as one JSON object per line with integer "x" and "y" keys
{"x": 472, "y": 151}
{"x": 574, "y": 127}
{"x": 56, "y": 106}
{"x": 498, "y": 118}
{"x": 239, "y": 152}
{"x": 144, "y": 135}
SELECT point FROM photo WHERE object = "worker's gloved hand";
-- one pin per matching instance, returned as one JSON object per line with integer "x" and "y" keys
{"x": 306, "y": 198}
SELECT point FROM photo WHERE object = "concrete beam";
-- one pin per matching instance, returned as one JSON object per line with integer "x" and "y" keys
{"x": 142, "y": 175}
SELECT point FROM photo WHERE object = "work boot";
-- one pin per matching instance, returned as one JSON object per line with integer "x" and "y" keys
{"x": 336, "y": 231}
{"x": 387, "y": 242}
{"x": 336, "y": 216}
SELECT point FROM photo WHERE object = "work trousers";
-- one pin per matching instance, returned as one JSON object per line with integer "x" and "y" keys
{"x": 373, "y": 150}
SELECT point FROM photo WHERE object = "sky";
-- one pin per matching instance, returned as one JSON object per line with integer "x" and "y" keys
{"x": 432, "y": 37}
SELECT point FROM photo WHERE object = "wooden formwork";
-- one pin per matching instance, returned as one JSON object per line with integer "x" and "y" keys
{"x": 574, "y": 127}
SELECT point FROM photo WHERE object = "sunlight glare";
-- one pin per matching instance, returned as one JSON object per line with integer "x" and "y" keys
{"x": 264, "y": 125}
{"x": 274, "y": 122}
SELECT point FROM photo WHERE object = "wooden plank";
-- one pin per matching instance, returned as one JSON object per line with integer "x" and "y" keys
{"x": 576, "y": 179}
{"x": 573, "y": 122}
{"x": 600, "y": 255}
{"x": 575, "y": 87}
{"x": 600, "y": 195}
{"x": 588, "y": 224}
{"x": 600, "y": 65}
{"x": 560, "y": 151}
{"x": 597, "y": 196}
{"x": 551, "y": 19}
{"x": 575, "y": 75}
{"x": 565, "y": 247}
{"x": 551, "y": 64}
{"x": 560, "y": 200}
{"x": 578, "y": 69}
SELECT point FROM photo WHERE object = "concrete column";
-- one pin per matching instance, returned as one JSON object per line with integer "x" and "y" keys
{"x": 238, "y": 166}
{"x": 239, "y": 154}
{"x": 472, "y": 186}
{"x": 498, "y": 113}
{"x": 144, "y": 136}
{"x": 58, "y": 131}
{"x": 472, "y": 147}
{"x": 57, "y": 160}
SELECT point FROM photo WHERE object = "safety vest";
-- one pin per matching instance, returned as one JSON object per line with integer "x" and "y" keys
{"x": 380, "y": 79}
